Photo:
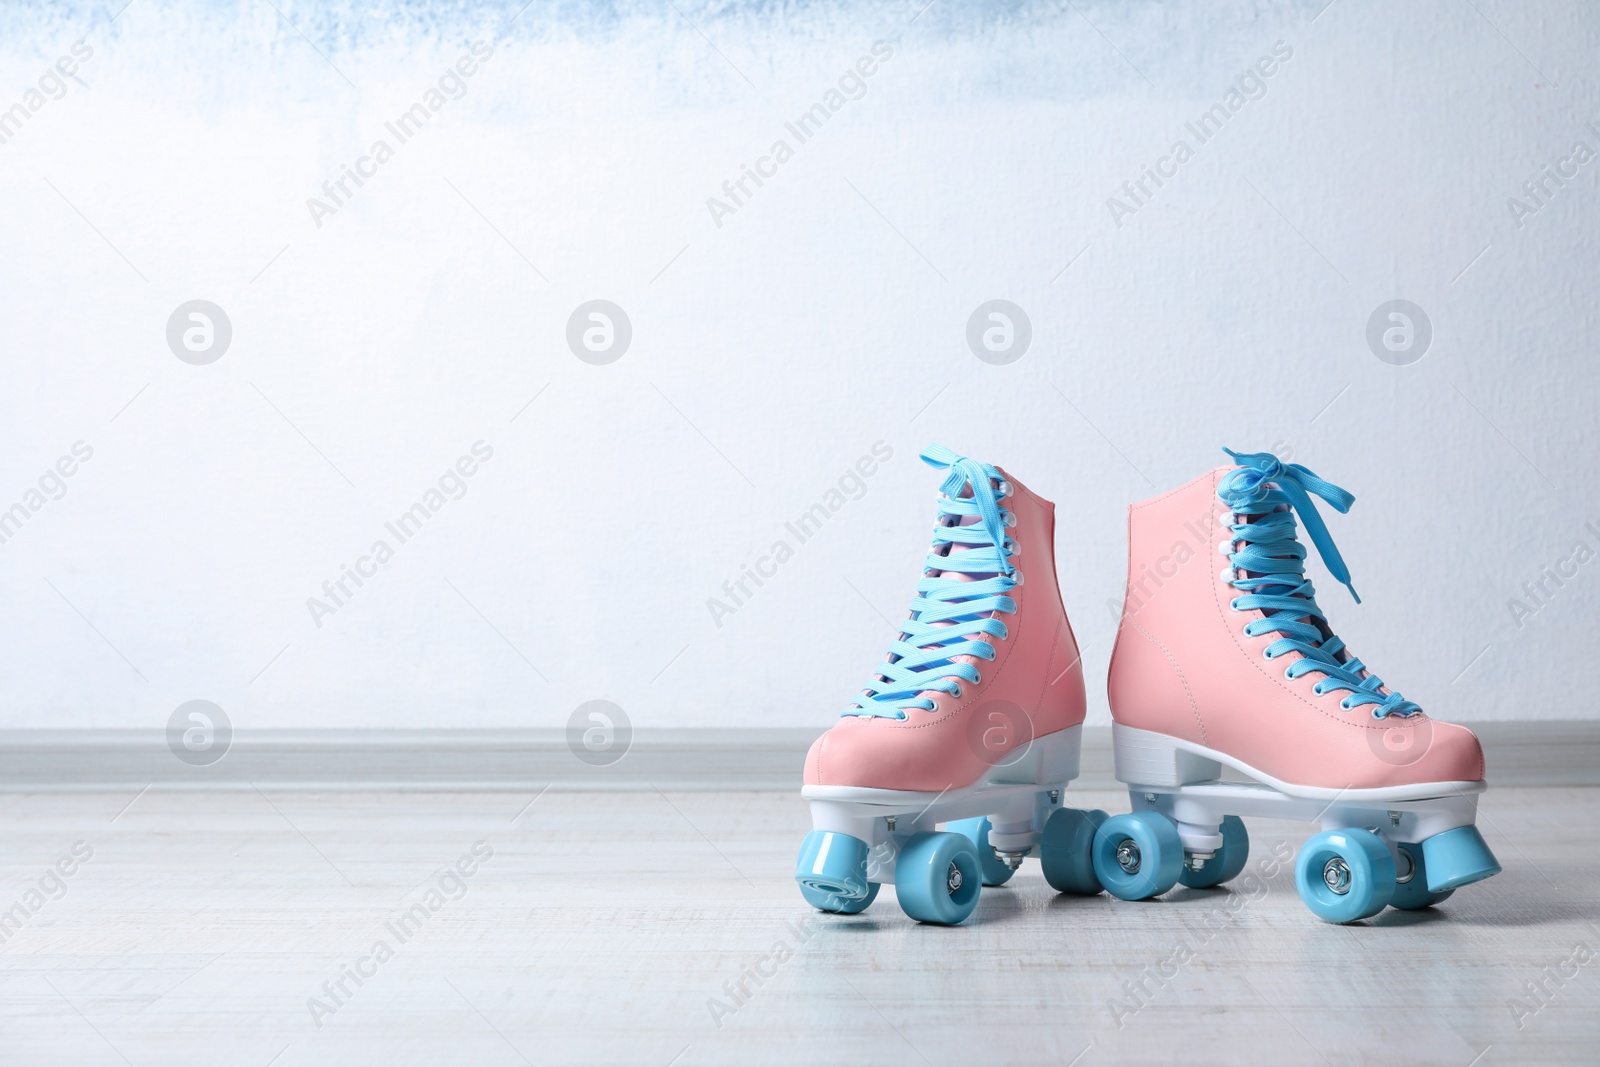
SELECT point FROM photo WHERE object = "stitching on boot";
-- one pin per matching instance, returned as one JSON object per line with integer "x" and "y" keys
{"x": 1193, "y": 708}
{"x": 1050, "y": 664}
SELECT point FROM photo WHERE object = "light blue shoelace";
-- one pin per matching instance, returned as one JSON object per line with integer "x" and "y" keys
{"x": 949, "y": 615}
{"x": 1272, "y": 494}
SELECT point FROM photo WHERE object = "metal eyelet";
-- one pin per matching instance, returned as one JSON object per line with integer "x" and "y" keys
{"x": 1224, "y": 548}
{"x": 1010, "y": 518}
{"x": 979, "y": 679}
{"x": 957, "y": 692}
{"x": 1006, "y": 489}
{"x": 1016, "y": 576}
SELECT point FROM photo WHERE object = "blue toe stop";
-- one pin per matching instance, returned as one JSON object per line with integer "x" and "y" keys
{"x": 1456, "y": 858}
{"x": 833, "y": 863}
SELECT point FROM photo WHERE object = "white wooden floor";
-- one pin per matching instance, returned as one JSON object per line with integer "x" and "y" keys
{"x": 604, "y": 927}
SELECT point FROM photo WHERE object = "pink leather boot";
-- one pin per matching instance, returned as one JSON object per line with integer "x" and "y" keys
{"x": 1224, "y": 658}
{"x": 972, "y": 720}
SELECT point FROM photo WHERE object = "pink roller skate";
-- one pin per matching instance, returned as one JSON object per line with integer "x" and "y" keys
{"x": 975, "y": 716}
{"x": 1239, "y": 667}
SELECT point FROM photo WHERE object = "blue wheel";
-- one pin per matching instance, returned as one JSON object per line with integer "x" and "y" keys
{"x": 937, "y": 877}
{"x": 1345, "y": 875}
{"x": 1411, "y": 890}
{"x": 995, "y": 872}
{"x": 1227, "y": 863}
{"x": 832, "y": 872}
{"x": 1066, "y": 850}
{"x": 1138, "y": 855}
{"x": 1458, "y": 857}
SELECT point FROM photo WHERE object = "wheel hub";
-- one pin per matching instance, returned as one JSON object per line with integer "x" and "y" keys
{"x": 1336, "y": 875}
{"x": 1128, "y": 857}
{"x": 953, "y": 879}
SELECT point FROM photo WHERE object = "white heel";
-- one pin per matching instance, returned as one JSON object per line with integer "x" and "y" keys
{"x": 1145, "y": 758}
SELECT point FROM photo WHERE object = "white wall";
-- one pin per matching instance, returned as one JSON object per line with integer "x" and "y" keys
{"x": 772, "y": 351}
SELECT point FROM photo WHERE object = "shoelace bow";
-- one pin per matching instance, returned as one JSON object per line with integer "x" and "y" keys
{"x": 1272, "y": 494}
{"x": 949, "y": 614}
